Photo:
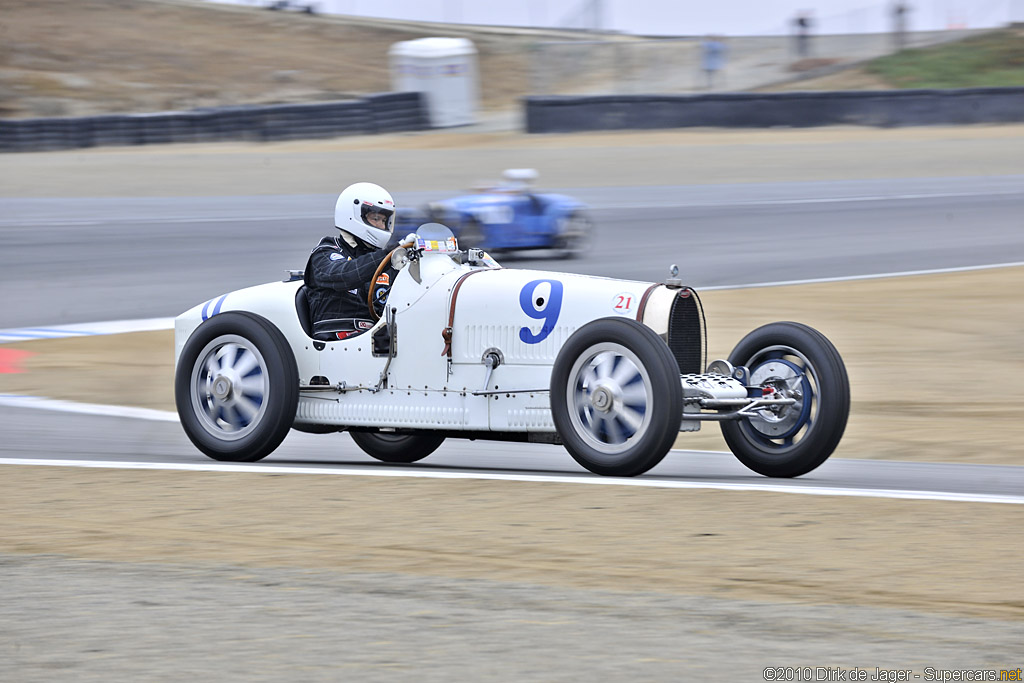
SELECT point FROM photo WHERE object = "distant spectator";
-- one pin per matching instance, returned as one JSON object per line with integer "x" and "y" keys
{"x": 900, "y": 10}
{"x": 802, "y": 24}
{"x": 712, "y": 59}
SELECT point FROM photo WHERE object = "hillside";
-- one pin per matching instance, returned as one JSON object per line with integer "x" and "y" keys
{"x": 994, "y": 59}
{"x": 83, "y": 57}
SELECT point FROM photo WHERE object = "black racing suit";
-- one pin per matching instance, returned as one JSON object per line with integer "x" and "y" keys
{"x": 337, "y": 278}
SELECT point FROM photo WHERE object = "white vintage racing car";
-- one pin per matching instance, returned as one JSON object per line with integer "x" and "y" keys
{"x": 612, "y": 369}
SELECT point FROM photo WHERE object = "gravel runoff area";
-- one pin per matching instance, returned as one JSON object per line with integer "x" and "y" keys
{"x": 160, "y": 575}
{"x": 120, "y": 575}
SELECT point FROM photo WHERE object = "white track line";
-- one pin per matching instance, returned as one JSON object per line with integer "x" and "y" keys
{"x": 18, "y": 401}
{"x": 754, "y": 203}
{"x": 531, "y": 478}
{"x": 85, "y": 329}
{"x": 43, "y": 403}
{"x": 852, "y": 278}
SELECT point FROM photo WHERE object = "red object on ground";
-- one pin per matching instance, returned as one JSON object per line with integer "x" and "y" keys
{"x": 10, "y": 360}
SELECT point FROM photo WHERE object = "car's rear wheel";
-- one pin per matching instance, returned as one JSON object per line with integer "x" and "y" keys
{"x": 793, "y": 361}
{"x": 397, "y": 448}
{"x": 616, "y": 399}
{"x": 236, "y": 387}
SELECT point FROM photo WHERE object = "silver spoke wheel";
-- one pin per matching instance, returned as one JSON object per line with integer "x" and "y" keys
{"x": 616, "y": 398}
{"x": 236, "y": 387}
{"x": 787, "y": 373}
{"x": 609, "y": 394}
{"x": 229, "y": 387}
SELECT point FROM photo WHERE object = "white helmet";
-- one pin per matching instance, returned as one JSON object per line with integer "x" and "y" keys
{"x": 354, "y": 204}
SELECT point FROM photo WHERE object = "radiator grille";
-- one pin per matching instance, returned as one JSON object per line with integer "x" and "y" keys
{"x": 684, "y": 333}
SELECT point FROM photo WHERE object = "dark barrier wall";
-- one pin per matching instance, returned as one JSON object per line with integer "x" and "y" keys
{"x": 561, "y": 114}
{"x": 383, "y": 113}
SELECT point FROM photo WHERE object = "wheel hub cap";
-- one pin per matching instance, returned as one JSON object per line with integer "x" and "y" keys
{"x": 602, "y": 398}
{"x": 230, "y": 388}
{"x": 788, "y": 382}
{"x": 609, "y": 398}
{"x": 221, "y": 388}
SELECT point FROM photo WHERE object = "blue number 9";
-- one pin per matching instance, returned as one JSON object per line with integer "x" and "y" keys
{"x": 536, "y": 306}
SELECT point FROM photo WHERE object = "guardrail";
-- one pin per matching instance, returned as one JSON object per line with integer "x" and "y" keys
{"x": 562, "y": 114}
{"x": 381, "y": 113}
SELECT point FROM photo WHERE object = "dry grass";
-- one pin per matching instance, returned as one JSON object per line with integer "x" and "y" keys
{"x": 82, "y": 57}
{"x": 991, "y": 60}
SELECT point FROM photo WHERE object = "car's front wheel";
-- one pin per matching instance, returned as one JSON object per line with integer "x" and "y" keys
{"x": 616, "y": 398}
{"x": 576, "y": 235}
{"x": 236, "y": 387}
{"x": 796, "y": 362}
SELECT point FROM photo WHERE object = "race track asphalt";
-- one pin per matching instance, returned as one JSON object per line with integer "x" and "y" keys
{"x": 74, "y": 260}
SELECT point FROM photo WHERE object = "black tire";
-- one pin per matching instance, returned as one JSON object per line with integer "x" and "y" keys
{"x": 577, "y": 236}
{"x": 236, "y": 387}
{"x": 397, "y": 448}
{"x": 616, "y": 398}
{"x": 791, "y": 357}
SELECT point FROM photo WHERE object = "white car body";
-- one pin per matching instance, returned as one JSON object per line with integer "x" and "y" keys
{"x": 590, "y": 362}
{"x": 421, "y": 391}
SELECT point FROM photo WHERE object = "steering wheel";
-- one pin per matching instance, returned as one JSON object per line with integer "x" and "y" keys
{"x": 376, "y": 274}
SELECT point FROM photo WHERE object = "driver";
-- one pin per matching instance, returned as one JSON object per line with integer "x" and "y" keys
{"x": 339, "y": 269}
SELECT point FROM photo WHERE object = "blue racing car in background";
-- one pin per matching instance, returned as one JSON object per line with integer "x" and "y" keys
{"x": 511, "y": 217}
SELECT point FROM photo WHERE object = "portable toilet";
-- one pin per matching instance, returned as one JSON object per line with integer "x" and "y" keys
{"x": 445, "y": 70}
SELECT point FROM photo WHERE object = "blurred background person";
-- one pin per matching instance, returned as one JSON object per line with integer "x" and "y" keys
{"x": 712, "y": 59}
{"x": 802, "y": 25}
{"x": 900, "y": 12}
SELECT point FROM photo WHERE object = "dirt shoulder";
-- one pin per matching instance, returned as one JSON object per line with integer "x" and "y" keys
{"x": 926, "y": 556}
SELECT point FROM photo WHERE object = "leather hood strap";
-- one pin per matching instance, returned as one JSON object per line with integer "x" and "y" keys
{"x": 446, "y": 333}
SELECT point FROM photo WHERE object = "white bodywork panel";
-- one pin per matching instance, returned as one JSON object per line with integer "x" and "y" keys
{"x": 274, "y": 301}
{"x": 526, "y": 316}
